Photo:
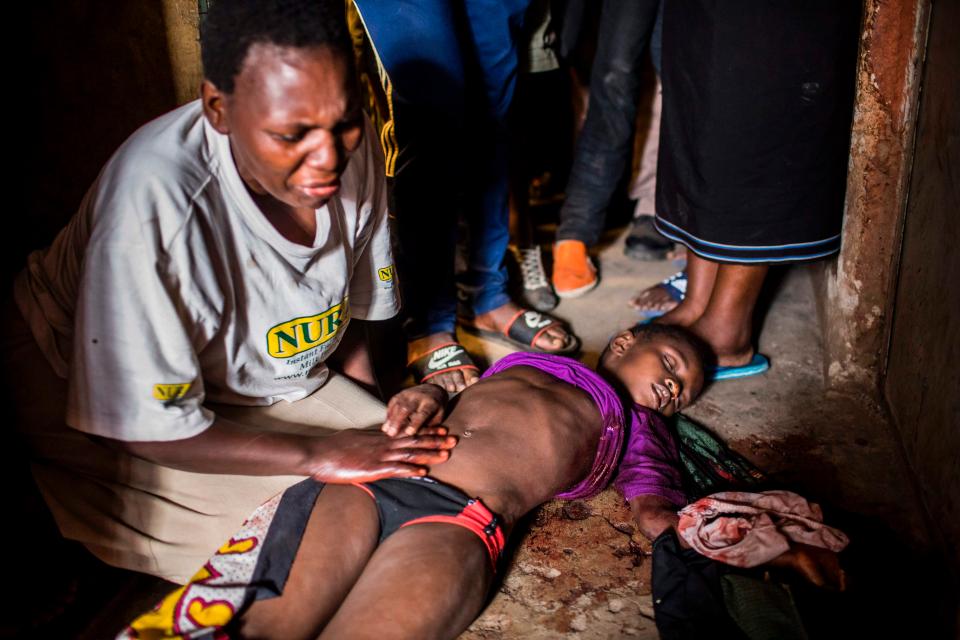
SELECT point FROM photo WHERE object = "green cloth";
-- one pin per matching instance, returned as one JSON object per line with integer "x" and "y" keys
{"x": 709, "y": 465}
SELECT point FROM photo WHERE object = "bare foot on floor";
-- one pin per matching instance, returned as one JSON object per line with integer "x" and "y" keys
{"x": 653, "y": 300}
{"x": 729, "y": 342}
{"x": 684, "y": 314}
{"x": 555, "y": 338}
{"x": 731, "y": 346}
{"x": 735, "y": 359}
{"x": 453, "y": 381}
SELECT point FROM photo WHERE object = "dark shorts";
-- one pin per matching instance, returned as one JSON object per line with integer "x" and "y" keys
{"x": 255, "y": 563}
{"x": 402, "y": 502}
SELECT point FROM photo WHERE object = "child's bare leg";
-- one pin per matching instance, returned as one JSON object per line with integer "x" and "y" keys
{"x": 425, "y": 581}
{"x": 340, "y": 537}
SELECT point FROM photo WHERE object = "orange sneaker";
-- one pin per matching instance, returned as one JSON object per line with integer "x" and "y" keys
{"x": 573, "y": 270}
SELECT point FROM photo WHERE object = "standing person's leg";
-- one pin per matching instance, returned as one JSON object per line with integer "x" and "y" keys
{"x": 752, "y": 182}
{"x": 644, "y": 242}
{"x": 424, "y": 581}
{"x": 535, "y": 291}
{"x": 719, "y": 306}
{"x": 701, "y": 276}
{"x": 417, "y": 45}
{"x": 492, "y": 29}
{"x": 605, "y": 144}
{"x": 530, "y": 137}
{"x": 493, "y": 26}
{"x": 534, "y": 151}
{"x": 644, "y": 187}
{"x": 656, "y": 40}
{"x": 727, "y": 322}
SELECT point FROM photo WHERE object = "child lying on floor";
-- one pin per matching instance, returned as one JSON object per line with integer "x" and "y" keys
{"x": 415, "y": 557}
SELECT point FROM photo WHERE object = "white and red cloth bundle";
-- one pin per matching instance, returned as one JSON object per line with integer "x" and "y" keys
{"x": 748, "y": 529}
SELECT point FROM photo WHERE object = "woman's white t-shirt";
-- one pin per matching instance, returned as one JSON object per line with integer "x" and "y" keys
{"x": 169, "y": 287}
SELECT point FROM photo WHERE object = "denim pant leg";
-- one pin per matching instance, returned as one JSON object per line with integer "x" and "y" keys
{"x": 606, "y": 142}
{"x": 418, "y": 45}
{"x": 493, "y": 27}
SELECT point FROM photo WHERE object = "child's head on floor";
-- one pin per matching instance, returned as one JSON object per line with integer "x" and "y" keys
{"x": 660, "y": 366}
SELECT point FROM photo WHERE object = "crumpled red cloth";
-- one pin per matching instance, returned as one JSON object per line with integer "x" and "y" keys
{"x": 748, "y": 529}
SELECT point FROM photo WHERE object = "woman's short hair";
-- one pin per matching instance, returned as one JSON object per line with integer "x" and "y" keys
{"x": 231, "y": 27}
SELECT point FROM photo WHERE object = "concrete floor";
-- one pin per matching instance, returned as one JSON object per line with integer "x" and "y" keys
{"x": 582, "y": 571}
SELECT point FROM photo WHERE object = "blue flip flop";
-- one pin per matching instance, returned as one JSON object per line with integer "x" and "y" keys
{"x": 757, "y": 365}
{"x": 676, "y": 288}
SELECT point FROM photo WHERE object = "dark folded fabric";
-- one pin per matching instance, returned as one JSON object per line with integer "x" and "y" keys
{"x": 687, "y": 596}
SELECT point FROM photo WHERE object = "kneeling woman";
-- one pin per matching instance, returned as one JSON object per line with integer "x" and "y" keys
{"x": 170, "y": 355}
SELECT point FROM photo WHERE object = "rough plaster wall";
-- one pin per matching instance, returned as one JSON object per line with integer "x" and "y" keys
{"x": 855, "y": 290}
{"x": 92, "y": 72}
{"x": 923, "y": 383}
{"x": 182, "y": 20}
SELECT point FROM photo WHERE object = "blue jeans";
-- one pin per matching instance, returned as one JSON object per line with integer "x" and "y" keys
{"x": 605, "y": 145}
{"x": 452, "y": 68}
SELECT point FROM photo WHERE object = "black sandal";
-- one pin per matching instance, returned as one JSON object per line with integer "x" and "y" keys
{"x": 524, "y": 329}
{"x": 447, "y": 357}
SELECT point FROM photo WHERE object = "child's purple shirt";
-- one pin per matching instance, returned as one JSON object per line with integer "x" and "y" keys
{"x": 642, "y": 443}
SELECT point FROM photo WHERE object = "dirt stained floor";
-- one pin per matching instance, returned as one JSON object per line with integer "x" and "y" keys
{"x": 582, "y": 570}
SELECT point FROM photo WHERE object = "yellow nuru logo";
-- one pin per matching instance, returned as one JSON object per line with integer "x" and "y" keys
{"x": 168, "y": 392}
{"x": 386, "y": 273}
{"x": 300, "y": 334}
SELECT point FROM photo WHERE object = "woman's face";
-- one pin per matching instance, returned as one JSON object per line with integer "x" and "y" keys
{"x": 293, "y": 120}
